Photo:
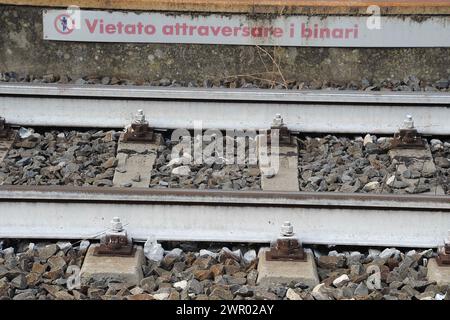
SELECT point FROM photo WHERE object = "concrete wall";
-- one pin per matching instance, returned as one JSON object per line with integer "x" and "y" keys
{"x": 23, "y": 50}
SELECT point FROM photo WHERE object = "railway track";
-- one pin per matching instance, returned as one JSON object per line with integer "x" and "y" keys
{"x": 319, "y": 111}
{"x": 350, "y": 188}
{"x": 207, "y": 215}
{"x": 353, "y": 194}
{"x": 245, "y": 216}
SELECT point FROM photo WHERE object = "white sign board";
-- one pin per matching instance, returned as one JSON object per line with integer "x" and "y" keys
{"x": 307, "y": 31}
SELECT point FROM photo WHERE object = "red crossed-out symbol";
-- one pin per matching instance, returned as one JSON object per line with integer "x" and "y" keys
{"x": 64, "y": 24}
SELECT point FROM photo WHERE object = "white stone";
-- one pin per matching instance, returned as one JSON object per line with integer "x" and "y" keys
{"x": 373, "y": 253}
{"x": 84, "y": 245}
{"x": 318, "y": 287}
{"x": 153, "y": 250}
{"x": 373, "y": 282}
{"x": 249, "y": 256}
{"x": 370, "y": 186}
{"x": 186, "y": 158}
{"x": 25, "y": 133}
{"x": 367, "y": 139}
{"x": 181, "y": 171}
{"x": 334, "y": 253}
{"x": 411, "y": 253}
{"x": 176, "y": 252}
{"x": 292, "y": 295}
{"x": 435, "y": 142}
{"x": 390, "y": 180}
{"x": 64, "y": 245}
{"x": 8, "y": 251}
{"x": 427, "y": 253}
{"x": 136, "y": 290}
{"x": 236, "y": 254}
{"x": 175, "y": 161}
{"x": 389, "y": 252}
{"x": 180, "y": 284}
{"x": 341, "y": 281}
{"x": 439, "y": 296}
{"x": 160, "y": 296}
{"x": 204, "y": 252}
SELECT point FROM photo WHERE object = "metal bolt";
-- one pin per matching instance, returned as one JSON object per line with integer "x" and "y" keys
{"x": 116, "y": 224}
{"x": 287, "y": 229}
{"x": 408, "y": 123}
{"x": 277, "y": 121}
{"x": 140, "y": 117}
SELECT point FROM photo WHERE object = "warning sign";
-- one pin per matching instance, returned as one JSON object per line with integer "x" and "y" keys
{"x": 332, "y": 31}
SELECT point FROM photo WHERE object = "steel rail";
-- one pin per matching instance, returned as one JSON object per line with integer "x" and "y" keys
{"x": 215, "y": 94}
{"x": 249, "y": 216}
{"x": 305, "y": 111}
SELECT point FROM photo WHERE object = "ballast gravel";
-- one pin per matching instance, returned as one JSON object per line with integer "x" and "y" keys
{"x": 40, "y": 271}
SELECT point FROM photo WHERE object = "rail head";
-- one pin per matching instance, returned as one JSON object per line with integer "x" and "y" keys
{"x": 222, "y": 198}
{"x": 222, "y": 94}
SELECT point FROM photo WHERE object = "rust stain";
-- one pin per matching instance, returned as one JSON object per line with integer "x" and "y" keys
{"x": 255, "y": 6}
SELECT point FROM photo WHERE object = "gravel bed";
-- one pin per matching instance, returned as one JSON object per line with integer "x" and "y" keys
{"x": 326, "y": 164}
{"x": 39, "y": 271}
{"x": 73, "y": 158}
{"x": 360, "y": 164}
{"x": 182, "y": 172}
{"x": 411, "y": 83}
{"x": 441, "y": 156}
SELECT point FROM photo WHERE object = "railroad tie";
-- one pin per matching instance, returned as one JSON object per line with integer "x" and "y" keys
{"x": 135, "y": 163}
{"x": 136, "y": 154}
{"x": 285, "y": 178}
